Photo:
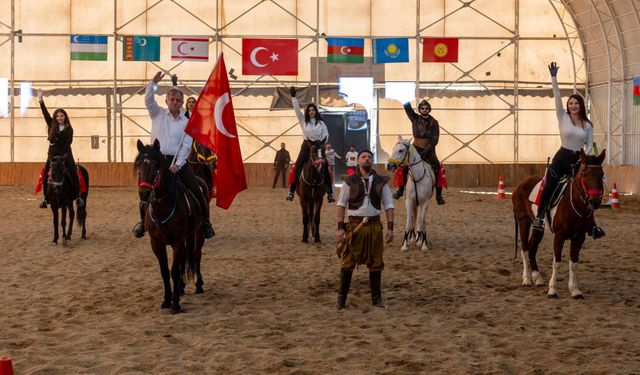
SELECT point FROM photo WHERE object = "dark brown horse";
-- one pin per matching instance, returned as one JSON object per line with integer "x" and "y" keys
{"x": 311, "y": 189}
{"x": 172, "y": 218}
{"x": 572, "y": 220}
{"x": 60, "y": 196}
{"x": 203, "y": 162}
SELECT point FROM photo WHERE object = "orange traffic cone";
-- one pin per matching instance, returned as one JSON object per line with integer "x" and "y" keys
{"x": 6, "y": 367}
{"x": 615, "y": 199}
{"x": 500, "y": 189}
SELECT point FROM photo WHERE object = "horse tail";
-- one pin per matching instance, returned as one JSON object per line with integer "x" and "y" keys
{"x": 515, "y": 220}
{"x": 190, "y": 270}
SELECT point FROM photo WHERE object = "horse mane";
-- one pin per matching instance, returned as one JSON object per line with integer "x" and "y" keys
{"x": 592, "y": 159}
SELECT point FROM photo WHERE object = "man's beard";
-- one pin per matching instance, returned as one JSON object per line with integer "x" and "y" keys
{"x": 366, "y": 167}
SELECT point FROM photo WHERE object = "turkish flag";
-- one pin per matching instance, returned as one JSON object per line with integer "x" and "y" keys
{"x": 213, "y": 124}
{"x": 440, "y": 50}
{"x": 276, "y": 57}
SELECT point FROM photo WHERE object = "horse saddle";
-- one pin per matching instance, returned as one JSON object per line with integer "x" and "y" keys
{"x": 536, "y": 194}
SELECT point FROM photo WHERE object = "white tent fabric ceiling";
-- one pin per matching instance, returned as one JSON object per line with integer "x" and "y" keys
{"x": 505, "y": 47}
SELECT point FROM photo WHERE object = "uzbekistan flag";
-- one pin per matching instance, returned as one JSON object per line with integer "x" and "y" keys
{"x": 89, "y": 47}
{"x": 345, "y": 50}
{"x": 636, "y": 90}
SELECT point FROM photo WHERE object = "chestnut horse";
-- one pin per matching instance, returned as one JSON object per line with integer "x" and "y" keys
{"x": 172, "y": 218}
{"x": 311, "y": 190}
{"x": 59, "y": 196}
{"x": 572, "y": 220}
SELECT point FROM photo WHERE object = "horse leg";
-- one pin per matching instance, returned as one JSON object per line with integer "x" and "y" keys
{"x": 576, "y": 245}
{"x": 535, "y": 273}
{"x": 160, "y": 251}
{"x": 54, "y": 211}
{"x": 316, "y": 220}
{"x": 197, "y": 254}
{"x": 72, "y": 216}
{"x": 177, "y": 270}
{"x": 408, "y": 228}
{"x": 63, "y": 223}
{"x": 305, "y": 221}
{"x": 422, "y": 226}
{"x": 558, "y": 242}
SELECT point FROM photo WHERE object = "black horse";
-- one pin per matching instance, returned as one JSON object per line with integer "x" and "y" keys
{"x": 311, "y": 190}
{"x": 172, "y": 218}
{"x": 60, "y": 196}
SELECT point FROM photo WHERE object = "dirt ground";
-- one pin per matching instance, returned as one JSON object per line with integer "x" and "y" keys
{"x": 94, "y": 306}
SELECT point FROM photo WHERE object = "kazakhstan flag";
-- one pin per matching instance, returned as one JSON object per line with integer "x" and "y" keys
{"x": 390, "y": 50}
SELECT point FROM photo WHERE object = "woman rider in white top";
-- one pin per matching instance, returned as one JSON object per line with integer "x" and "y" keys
{"x": 576, "y": 133}
{"x": 313, "y": 130}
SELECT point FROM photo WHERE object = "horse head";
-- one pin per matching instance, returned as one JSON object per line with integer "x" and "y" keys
{"x": 202, "y": 155}
{"x": 317, "y": 156}
{"x": 150, "y": 165}
{"x": 591, "y": 177}
{"x": 57, "y": 170}
{"x": 401, "y": 156}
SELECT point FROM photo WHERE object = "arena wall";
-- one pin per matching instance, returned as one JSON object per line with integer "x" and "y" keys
{"x": 627, "y": 178}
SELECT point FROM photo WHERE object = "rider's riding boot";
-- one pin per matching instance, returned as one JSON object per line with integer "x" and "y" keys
{"x": 43, "y": 204}
{"x": 550, "y": 184}
{"x": 399, "y": 192}
{"x": 596, "y": 232}
{"x": 207, "y": 228}
{"x": 139, "y": 229}
{"x": 439, "y": 197}
{"x": 375, "y": 279}
{"x": 44, "y": 192}
{"x": 345, "y": 283}
{"x": 289, "y": 196}
{"x": 328, "y": 186}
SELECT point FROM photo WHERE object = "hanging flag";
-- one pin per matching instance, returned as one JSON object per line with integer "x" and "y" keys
{"x": 345, "y": 50}
{"x": 213, "y": 124}
{"x": 636, "y": 90}
{"x": 190, "y": 48}
{"x": 141, "y": 48}
{"x": 89, "y": 47}
{"x": 390, "y": 50}
{"x": 440, "y": 50}
{"x": 276, "y": 57}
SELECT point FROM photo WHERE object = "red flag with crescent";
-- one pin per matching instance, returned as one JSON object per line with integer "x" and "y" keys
{"x": 270, "y": 57}
{"x": 213, "y": 124}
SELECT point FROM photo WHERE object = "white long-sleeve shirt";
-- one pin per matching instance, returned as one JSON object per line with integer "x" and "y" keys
{"x": 167, "y": 129}
{"x": 572, "y": 137}
{"x": 310, "y": 130}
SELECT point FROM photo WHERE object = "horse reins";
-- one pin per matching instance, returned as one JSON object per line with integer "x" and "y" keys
{"x": 586, "y": 193}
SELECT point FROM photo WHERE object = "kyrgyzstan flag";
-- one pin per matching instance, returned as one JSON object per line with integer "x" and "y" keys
{"x": 276, "y": 57}
{"x": 440, "y": 50}
{"x": 213, "y": 124}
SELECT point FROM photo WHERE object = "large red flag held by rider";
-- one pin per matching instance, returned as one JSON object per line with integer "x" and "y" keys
{"x": 213, "y": 124}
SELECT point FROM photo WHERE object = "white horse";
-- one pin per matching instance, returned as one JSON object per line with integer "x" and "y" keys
{"x": 418, "y": 191}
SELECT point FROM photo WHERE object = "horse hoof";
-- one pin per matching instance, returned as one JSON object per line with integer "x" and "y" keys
{"x": 305, "y": 240}
{"x": 199, "y": 289}
{"x": 552, "y": 296}
{"x": 317, "y": 240}
{"x": 165, "y": 305}
{"x": 175, "y": 309}
{"x": 54, "y": 243}
{"x": 578, "y": 296}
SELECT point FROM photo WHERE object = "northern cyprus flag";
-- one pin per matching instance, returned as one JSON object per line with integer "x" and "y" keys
{"x": 89, "y": 47}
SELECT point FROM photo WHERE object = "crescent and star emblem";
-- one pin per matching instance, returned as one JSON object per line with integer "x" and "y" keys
{"x": 179, "y": 48}
{"x": 75, "y": 38}
{"x": 219, "y": 108}
{"x": 142, "y": 42}
{"x": 345, "y": 50}
{"x": 254, "y": 61}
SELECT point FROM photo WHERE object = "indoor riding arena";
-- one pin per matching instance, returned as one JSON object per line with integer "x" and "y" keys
{"x": 93, "y": 305}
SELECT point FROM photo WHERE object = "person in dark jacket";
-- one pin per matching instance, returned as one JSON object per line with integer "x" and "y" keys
{"x": 60, "y": 137}
{"x": 280, "y": 165}
{"x": 426, "y": 132}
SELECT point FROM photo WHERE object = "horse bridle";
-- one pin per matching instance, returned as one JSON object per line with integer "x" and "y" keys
{"x": 54, "y": 183}
{"x": 146, "y": 184}
{"x": 202, "y": 158}
{"x": 586, "y": 193}
{"x": 405, "y": 161}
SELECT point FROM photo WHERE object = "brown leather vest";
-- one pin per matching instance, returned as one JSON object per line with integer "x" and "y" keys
{"x": 356, "y": 189}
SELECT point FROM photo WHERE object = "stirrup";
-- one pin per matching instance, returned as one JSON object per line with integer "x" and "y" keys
{"x": 597, "y": 232}
{"x": 289, "y": 196}
{"x": 43, "y": 204}
{"x": 207, "y": 230}
{"x": 398, "y": 194}
{"x": 79, "y": 202}
{"x": 538, "y": 224}
{"x": 440, "y": 201}
{"x": 330, "y": 198}
{"x": 139, "y": 229}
